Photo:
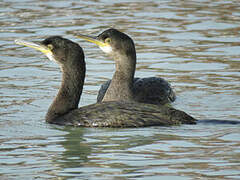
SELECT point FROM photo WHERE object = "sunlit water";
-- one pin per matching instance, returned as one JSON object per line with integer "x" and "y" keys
{"x": 193, "y": 44}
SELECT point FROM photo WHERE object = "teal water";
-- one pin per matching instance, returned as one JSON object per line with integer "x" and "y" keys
{"x": 193, "y": 44}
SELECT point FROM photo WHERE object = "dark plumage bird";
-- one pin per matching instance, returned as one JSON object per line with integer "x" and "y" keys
{"x": 124, "y": 86}
{"x": 64, "y": 109}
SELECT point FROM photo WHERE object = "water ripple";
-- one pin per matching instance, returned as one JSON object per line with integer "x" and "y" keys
{"x": 194, "y": 44}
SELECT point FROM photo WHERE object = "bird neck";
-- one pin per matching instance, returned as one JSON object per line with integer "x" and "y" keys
{"x": 69, "y": 94}
{"x": 121, "y": 86}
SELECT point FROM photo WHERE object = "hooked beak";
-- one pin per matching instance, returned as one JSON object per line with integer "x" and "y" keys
{"x": 44, "y": 49}
{"x": 105, "y": 47}
{"x": 92, "y": 40}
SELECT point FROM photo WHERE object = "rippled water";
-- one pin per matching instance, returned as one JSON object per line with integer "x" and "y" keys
{"x": 195, "y": 44}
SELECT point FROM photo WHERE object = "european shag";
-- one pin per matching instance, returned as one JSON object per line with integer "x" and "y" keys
{"x": 124, "y": 86}
{"x": 64, "y": 109}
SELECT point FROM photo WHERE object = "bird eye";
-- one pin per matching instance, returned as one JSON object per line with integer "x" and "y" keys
{"x": 50, "y": 46}
{"x": 107, "y": 40}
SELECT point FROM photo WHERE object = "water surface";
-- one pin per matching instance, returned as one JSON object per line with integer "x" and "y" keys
{"x": 194, "y": 44}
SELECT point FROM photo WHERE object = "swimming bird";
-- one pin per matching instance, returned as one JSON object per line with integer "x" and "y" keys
{"x": 124, "y": 86}
{"x": 64, "y": 108}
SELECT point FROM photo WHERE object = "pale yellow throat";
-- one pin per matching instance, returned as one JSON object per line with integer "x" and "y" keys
{"x": 106, "y": 48}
